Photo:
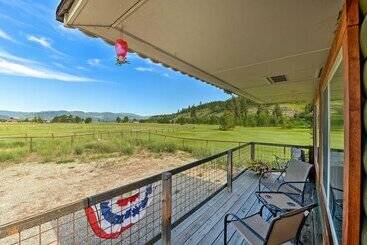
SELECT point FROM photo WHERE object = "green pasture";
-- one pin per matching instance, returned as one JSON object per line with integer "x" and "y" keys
{"x": 62, "y": 143}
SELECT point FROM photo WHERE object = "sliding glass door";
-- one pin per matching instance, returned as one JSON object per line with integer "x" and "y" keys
{"x": 332, "y": 109}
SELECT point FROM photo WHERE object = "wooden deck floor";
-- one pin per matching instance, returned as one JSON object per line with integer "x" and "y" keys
{"x": 205, "y": 226}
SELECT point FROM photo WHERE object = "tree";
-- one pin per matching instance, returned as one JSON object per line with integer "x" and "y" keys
{"x": 88, "y": 120}
{"x": 226, "y": 122}
{"x": 37, "y": 120}
{"x": 125, "y": 120}
{"x": 262, "y": 115}
{"x": 118, "y": 119}
{"x": 277, "y": 112}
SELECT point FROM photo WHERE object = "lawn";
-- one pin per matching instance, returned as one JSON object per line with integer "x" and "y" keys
{"x": 62, "y": 143}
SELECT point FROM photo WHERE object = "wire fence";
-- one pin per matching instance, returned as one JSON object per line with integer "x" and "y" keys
{"x": 143, "y": 211}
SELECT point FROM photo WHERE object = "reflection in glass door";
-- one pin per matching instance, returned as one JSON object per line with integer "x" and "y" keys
{"x": 333, "y": 149}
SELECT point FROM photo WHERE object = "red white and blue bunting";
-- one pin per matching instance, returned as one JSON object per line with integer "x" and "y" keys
{"x": 109, "y": 219}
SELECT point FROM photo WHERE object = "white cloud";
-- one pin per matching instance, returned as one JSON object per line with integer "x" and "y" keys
{"x": 94, "y": 62}
{"x": 150, "y": 62}
{"x": 40, "y": 40}
{"x": 8, "y": 56}
{"x": 58, "y": 65}
{"x": 45, "y": 42}
{"x": 17, "y": 66}
{"x": 144, "y": 69}
{"x": 5, "y": 36}
{"x": 153, "y": 70}
{"x": 81, "y": 68}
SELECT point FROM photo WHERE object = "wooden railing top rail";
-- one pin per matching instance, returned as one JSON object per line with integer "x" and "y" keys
{"x": 20, "y": 225}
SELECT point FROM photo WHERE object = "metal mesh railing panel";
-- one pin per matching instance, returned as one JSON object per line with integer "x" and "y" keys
{"x": 273, "y": 154}
{"x": 193, "y": 186}
{"x": 81, "y": 227}
{"x": 241, "y": 159}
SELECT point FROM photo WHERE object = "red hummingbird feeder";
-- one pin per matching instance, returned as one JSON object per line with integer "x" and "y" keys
{"x": 121, "y": 48}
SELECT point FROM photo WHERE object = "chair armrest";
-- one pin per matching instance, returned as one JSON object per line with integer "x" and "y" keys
{"x": 236, "y": 218}
{"x": 336, "y": 189}
{"x": 269, "y": 171}
{"x": 293, "y": 182}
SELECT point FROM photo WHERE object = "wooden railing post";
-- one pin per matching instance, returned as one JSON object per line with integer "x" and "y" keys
{"x": 166, "y": 207}
{"x": 229, "y": 170}
{"x": 253, "y": 151}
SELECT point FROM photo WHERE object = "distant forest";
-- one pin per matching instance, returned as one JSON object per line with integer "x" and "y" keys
{"x": 242, "y": 112}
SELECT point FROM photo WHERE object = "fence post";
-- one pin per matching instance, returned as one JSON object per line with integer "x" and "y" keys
{"x": 30, "y": 144}
{"x": 253, "y": 151}
{"x": 284, "y": 150}
{"x": 239, "y": 152}
{"x": 72, "y": 139}
{"x": 149, "y": 135}
{"x": 229, "y": 170}
{"x": 166, "y": 207}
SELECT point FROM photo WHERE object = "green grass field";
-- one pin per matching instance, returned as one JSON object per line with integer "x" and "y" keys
{"x": 62, "y": 143}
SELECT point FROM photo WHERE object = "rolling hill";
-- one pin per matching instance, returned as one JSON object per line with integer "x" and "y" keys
{"x": 48, "y": 115}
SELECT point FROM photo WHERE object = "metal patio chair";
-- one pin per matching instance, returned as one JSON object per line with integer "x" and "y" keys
{"x": 283, "y": 228}
{"x": 336, "y": 191}
{"x": 296, "y": 154}
{"x": 293, "y": 181}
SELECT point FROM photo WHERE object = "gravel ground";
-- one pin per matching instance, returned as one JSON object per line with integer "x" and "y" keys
{"x": 30, "y": 188}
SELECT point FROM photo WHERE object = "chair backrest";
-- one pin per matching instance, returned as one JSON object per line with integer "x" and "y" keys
{"x": 297, "y": 171}
{"x": 287, "y": 226}
{"x": 297, "y": 153}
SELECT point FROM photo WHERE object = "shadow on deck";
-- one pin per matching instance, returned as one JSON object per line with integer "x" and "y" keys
{"x": 205, "y": 225}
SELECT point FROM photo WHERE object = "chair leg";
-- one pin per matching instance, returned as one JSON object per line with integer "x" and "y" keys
{"x": 225, "y": 228}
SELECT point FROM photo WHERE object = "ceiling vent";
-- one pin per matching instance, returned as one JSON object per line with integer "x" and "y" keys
{"x": 277, "y": 79}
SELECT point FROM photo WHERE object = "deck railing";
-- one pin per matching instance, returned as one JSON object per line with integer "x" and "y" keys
{"x": 143, "y": 211}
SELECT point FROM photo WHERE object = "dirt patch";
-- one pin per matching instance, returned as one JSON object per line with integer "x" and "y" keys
{"x": 30, "y": 188}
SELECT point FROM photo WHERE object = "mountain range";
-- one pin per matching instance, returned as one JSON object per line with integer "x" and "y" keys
{"x": 48, "y": 115}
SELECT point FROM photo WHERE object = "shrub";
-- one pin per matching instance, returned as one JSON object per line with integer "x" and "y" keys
{"x": 12, "y": 144}
{"x": 226, "y": 122}
{"x": 159, "y": 147}
{"x": 127, "y": 148}
{"x": 287, "y": 124}
{"x": 12, "y": 155}
{"x": 78, "y": 150}
{"x": 100, "y": 147}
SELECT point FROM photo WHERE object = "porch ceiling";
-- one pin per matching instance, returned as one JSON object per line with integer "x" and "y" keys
{"x": 234, "y": 45}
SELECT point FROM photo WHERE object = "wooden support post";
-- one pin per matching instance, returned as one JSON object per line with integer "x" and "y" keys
{"x": 229, "y": 170}
{"x": 149, "y": 135}
{"x": 166, "y": 207}
{"x": 253, "y": 151}
{"x": 53, "y": 136}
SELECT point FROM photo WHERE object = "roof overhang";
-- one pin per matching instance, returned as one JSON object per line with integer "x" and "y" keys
{"x": 236, "y": 45}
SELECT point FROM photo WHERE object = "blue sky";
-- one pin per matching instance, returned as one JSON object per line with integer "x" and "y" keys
{"x": 44, "y": 66}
